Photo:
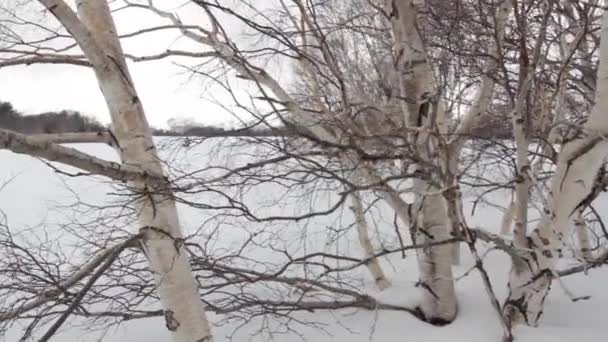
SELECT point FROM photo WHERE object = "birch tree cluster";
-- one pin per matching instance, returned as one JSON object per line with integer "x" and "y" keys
{"x": 405, "y": 118}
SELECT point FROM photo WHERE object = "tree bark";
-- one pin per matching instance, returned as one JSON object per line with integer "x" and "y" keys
{"x": 478, "y": 110}
{"x": 439, "y": 304}
{"x": 582, "y": 235}
{"x": 422, "y": 108}
{"x": 95, "y": 32}
{"x": 575, "y": 179}
{"x": 373, "y": 265}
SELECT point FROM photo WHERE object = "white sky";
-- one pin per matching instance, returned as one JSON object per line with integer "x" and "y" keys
{"x": 165, "y": 90}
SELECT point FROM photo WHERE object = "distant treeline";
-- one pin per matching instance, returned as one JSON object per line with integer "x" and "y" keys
{"x": 495, "y": 127}
{"x": 214, "y": 131}
{"x": 72, "y": 121}
{"x": 51, "y": 122}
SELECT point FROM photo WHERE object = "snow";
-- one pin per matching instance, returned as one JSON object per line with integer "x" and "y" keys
{"x": 33, "y": 200}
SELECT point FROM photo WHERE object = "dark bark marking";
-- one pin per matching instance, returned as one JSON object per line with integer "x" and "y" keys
{"x": 170, "y": 321}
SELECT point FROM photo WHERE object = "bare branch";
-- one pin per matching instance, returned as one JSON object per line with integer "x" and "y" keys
{"x": 22, "y": 144}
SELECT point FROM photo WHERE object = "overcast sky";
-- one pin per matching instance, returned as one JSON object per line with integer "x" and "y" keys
{"x": 165, "y": 90}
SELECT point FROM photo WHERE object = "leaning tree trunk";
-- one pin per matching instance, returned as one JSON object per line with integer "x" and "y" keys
{"x": 572, "y": 185}
{"x": 372, "y": 262}
{"x": 162, "y": 239}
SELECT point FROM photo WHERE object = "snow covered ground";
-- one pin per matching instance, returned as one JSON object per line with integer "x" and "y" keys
{"x": 34, "y": 197}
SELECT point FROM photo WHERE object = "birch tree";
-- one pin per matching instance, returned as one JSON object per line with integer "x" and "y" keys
{"x": 422, "y": 107}
{"x": 93, "y": 29}
{"x": 383, "y": 102}
{"x": 574, "y": 181}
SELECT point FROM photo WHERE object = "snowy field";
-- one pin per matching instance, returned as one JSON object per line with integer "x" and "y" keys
{"x": 33, "y": 203}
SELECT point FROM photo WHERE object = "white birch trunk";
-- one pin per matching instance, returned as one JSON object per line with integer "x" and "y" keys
{"x": 507, "y": 218}
{"x": 309, "y": 75}
{"x": 522, "y": 178}
{"x": 162, "y": 238}
{"x": 439, "y": 304}
{"x": 373, "y": 264}
{"x": 582, "y": 236}
{"x": 522, "y": 187}
{"x": 574, "y": 180}
{"x": 483, "y": 97}
{"x": 316, "y": 127}
{"x": 478, "y": 109}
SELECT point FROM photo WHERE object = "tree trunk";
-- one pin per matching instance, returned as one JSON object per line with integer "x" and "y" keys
{"x": 373, "y": 265}
{"x": 162, "y": 237}
{"x": 521, "y": 125}
{"x": 422, "y": 108}
{"x": 507, "y": 218}
{"x": 574, "y": 181}
{"x": 439, "y": 304}
{"x": 582, "y": 235}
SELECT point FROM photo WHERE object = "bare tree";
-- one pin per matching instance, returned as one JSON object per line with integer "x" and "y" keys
{"x": 159, "y": 231}
{"x": 384, "y": 102}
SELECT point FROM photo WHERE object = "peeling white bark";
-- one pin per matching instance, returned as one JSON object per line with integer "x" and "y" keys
{"x": 95, "y": 33}
{"x": 522, "y": 188}
{"x": 521, "y": 124}
{"x": 417, "y": 86}
{"x": 439, "y": 303}
{"x": 316, "y": 127}
{"x": 522, "y": 163}
{"x": 574, "y": 180}
{"x": 558, "y": 101}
